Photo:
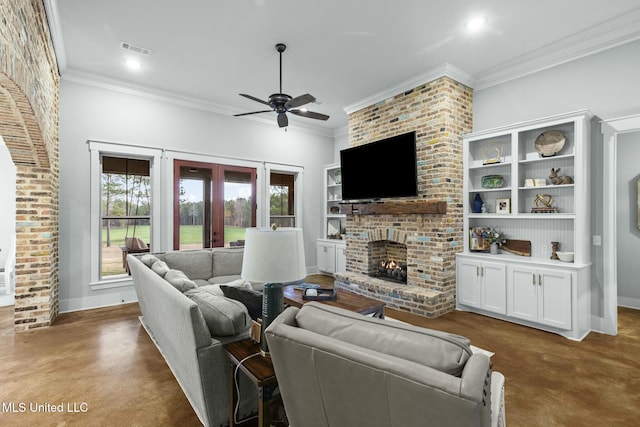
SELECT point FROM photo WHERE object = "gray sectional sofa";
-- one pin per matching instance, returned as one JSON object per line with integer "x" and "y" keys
{"x": 189, "y": 319}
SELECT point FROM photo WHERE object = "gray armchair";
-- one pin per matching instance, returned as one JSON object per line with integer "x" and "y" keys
{"x": 338, "y": 368}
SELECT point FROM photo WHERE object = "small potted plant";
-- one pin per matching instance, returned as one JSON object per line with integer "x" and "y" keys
{"x": 495, "y": 237}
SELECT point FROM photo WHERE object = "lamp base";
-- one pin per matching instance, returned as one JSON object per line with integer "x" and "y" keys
{"x": 272, "y": 306}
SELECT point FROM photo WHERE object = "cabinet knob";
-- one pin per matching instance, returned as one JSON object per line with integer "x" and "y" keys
{"x": 539, "y": 280}
{"x": 534, "y": 279}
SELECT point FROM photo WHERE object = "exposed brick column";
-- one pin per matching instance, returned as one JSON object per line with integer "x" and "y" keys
{"x": 440, "y": 112}
{"x": 29, "y": 84}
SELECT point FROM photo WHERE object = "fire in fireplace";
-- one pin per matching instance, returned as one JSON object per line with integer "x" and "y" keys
{"x": 390, "y": 270}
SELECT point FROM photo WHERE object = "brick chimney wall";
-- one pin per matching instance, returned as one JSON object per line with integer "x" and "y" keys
{"x": 440, "y": 112}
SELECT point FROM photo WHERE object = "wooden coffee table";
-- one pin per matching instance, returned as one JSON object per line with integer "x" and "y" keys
{"x": 347, "y": 300}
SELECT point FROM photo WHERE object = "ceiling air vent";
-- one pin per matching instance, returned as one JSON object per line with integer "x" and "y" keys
{"x": 133, "y": 48}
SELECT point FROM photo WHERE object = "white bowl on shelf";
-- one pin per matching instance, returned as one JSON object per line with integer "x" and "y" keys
{"x": 565, "y": 256}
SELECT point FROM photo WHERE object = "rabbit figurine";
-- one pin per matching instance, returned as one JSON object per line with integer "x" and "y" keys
{"x": 558, "y": 180}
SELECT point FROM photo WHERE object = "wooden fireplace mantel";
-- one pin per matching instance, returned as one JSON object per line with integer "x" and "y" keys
{"x": 433, "y": 207}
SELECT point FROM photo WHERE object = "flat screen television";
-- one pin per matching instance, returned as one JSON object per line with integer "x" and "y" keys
{"x": 381, "y": 169}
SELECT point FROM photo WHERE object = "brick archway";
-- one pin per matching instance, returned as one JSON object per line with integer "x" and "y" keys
{"x": 36, "y": 302}
{"x": 29, "y": 85}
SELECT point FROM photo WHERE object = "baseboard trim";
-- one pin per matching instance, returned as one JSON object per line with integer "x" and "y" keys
{"x": 124, "y": 296}
{"x": 629, "y": 302}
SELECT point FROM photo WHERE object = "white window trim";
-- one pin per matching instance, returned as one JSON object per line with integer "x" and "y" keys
{"x": 298, "y": 188}
{"x": 97, "y": 149}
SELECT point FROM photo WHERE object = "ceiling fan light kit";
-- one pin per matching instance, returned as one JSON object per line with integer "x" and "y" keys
{"x": 281, "y": 103}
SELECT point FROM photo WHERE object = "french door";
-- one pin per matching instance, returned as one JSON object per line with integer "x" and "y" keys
{"x": 213, "y": 204}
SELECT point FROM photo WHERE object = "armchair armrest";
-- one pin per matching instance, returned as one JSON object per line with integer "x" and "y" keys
{"x": 475, "y": 382}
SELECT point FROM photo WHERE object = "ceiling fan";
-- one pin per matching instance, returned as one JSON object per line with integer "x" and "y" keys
{"x": 282, "y": 103}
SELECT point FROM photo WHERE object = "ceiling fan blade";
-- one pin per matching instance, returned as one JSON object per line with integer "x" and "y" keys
{"x": 253, "y": 112}
{"x": 309, "y": 114}
{"x": 299, "y": 101}
{"x": 283, "y": 121}
{"x": 254, "y": 98}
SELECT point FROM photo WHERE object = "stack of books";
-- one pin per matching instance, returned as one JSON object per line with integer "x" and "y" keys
{"x": 544, "y": 210}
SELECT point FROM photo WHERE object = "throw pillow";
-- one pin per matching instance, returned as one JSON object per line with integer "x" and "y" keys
{"x": 160, "y": 268}
{"x": 179, "y": 280}
{"x": 250, "y": 298}
{"x": 148, "y": 259}
{"x": 222, "y": 315}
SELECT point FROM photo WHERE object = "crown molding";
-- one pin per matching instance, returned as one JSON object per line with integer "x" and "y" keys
{"x": 607, "y": 35}
{"x": 53, "y": 19}
{"x": 444, "y": 70}
{"x": 115, "y": 85}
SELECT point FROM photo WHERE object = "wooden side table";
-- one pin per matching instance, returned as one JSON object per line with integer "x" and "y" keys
{"x": 259, "y": 370}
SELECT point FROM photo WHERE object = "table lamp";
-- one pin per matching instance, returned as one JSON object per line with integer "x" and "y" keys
{"x": 273, "y": 256}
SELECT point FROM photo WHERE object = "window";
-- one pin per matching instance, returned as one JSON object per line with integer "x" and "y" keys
{"x": 281, "y": 199}
{"x": 125, "y": 212}
{"x": 125, "y": 208}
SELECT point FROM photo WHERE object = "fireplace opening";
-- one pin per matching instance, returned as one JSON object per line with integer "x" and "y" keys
{"x": 390, "y": 270}
{"x": 388, "y": 260}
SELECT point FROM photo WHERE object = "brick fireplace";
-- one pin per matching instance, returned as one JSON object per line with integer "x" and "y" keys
{"x": 440, "y": 112}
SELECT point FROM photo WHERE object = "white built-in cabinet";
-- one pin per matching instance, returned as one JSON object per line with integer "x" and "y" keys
{"x": 332, "y": 255}
{"x": 532, "y": 290}
{"x": 483, "y": 285}
{"x": 332, "y": 248}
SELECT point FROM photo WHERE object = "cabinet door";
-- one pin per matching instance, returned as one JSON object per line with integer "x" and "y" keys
{"x": 341, "y": 258}
{"x": 522, "y": 293}
{"x": 326, "y": 257}
{"x": 469, "y": 292}
{"x": 494, "y": 278}
{"x": 554, "y": 307}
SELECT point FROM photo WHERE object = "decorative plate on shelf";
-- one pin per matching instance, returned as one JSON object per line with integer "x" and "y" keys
{"x": 549, "y": 143}
{"x": 492, "y": 181}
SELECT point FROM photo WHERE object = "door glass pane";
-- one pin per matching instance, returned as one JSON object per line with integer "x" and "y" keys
{"x": 238, "y": 197}
{"x": 192, "y": 213}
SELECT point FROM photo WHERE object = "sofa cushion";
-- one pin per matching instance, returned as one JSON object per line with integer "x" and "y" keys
{"x": 227, "y": 261}
{"x": 221, "y": 280}
{"x": 195, "y": 264}
{"x": 250, "y": 298}
{"x": 179, "y": 280}
{"x": 439, "y": 350}
{"x": 160, "y": 268}
{"x": 222, "y": 315}
{"x": 212, "y": 289}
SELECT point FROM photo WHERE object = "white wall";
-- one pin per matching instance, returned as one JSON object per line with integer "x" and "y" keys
{"x": 7, "y": 202}
{"x": 605, "y": 83}
{"x": 341, "y": 141}
{"x": 88, "y": 112}
{"x": 628, "y": 234}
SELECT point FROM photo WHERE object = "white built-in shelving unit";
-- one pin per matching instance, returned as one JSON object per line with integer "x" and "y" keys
{"x": 532, "y": 290}
{"x": 332, "y": 248}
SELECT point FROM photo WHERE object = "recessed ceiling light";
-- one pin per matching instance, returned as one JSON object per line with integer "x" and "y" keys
{"x": 476, "y": 23}
{"x": 134, "y": 65}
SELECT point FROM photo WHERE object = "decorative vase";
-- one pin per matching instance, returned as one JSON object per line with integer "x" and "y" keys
{"x": 476, "y": 206}
{"x": 493, "y": 249}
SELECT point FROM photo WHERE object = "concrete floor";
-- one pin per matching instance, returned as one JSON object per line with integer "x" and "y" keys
{"x": 103, "y": 369}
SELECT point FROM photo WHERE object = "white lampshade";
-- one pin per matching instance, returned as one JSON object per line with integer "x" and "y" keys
{"x": 273, "y": 256}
